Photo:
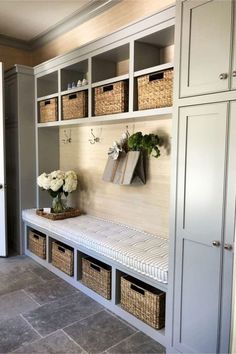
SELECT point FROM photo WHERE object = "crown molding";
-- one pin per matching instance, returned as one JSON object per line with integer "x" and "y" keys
{"x": 95, "y": 8}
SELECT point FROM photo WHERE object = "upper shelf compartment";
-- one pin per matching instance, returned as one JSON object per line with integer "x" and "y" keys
{"x": 72, "y": 74}
{"x": 110, "y": 64}
{"x": 47, "y": 84}
{"x": 154, "y": 49}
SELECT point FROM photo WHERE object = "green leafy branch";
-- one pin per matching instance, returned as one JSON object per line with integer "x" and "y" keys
{"x": 148, "y": 142}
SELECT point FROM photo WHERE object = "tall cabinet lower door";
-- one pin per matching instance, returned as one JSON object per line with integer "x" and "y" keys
{"x": 202, "y": 165}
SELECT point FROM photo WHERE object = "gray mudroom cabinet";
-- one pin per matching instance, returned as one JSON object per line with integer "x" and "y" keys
{"x": 205, "y": 210}
{"x": 20, "y": 150}
{"x": 207, "y": 33}
{"x": 204, "y": 175}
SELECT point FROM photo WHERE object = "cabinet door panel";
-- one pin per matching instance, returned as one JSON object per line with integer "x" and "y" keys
{"x": 233, "y": 73}
{"x": 205, "y": 48}
{"x": 200, "y": 208}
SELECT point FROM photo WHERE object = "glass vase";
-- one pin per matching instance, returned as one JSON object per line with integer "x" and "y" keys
{"x": 59, "y": 204}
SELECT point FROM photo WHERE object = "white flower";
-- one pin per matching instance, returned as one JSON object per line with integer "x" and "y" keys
{"x": 70, "y": 182}
{"x": 44, "y": 181}
{"x": 58, "y": 180}
{"x": 58, "y": 174}
{"x": 56, "y": 184}
{"x": 115, "y": 150}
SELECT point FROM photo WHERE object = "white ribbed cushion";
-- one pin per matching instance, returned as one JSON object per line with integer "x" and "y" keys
{"x": 140, "y": 251}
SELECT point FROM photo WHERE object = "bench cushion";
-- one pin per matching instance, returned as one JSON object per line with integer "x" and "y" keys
{"x": 143, "y": 252}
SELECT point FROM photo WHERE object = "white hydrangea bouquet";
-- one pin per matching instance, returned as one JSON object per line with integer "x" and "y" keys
{"x": 58, "y": 184}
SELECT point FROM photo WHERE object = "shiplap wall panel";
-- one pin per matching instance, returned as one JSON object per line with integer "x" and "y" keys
{"x": 145, "y": 207}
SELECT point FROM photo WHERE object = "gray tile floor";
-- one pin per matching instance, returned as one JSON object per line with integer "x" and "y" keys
{"x": 40, "y": 313}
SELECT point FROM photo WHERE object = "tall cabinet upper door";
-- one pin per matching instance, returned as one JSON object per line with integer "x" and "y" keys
{"x": 205, "y": 46}
{"x": 200, "y": 215}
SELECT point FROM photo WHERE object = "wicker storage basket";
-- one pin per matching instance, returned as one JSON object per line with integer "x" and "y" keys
{"x": 37, "y": 243}
{"x": 143, "y": 301}
{"x": 48, "y": 110}
{"x": 97, "y": 276}
{"x": 75, "y": 105}
{"x": 63, "y": 258}
{"x": 111, "y": 99}
{"x": 155, "y": 90}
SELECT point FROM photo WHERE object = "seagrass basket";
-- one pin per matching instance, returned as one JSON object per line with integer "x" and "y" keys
{"x": 75, "y": 105}
{"x": 97, "y": 276}
{"x": 37, "y": 243}
{"x": 48, "y": 110}
{"x": 63, "y": 257}
{"x": 110, "y": 99}
{"x": 155, "y": 90}
{"x": 143, "y": 301}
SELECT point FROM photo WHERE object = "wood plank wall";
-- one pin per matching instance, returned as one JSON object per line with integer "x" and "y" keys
{"x": 145, "y": 207}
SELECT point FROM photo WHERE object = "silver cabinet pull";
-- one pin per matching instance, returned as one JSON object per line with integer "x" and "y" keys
{"x": 228, "y": 247}
{"x": 216, "y": 243}
{"x": 234, "y": 73}
{"x": 223, "y": 76}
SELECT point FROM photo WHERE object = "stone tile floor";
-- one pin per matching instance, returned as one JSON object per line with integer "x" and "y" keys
{"x": 40, "y": 313}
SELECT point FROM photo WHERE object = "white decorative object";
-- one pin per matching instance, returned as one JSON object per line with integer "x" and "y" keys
{"x": 84, "y": 82}
{"x": 79, "y": 83}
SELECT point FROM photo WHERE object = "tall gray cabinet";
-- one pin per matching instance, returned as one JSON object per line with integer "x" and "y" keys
{"x": 204, "y": 202}
{"x": 20, "y": 150}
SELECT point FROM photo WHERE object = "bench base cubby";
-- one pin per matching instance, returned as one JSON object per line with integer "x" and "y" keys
{"x": 117, "y": 270}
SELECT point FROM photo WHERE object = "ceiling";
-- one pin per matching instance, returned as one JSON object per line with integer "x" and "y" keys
{"x": 29, "y": 21}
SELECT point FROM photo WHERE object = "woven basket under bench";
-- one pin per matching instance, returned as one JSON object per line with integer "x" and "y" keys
{"x": 37, "y": 243}
{"x": 63, "y": 257}
{"x": 97, "y": 276}
{"x": 155, "y": 90}
{"x": 143, "y": 301}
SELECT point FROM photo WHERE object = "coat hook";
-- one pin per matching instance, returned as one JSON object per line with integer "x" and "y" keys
{"x": 94, "y": 139}
{"x": 67, "y": 138}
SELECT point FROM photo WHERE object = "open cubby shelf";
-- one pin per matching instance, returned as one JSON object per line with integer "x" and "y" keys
{"x": 117, "y": 271}
{"x": 136, "y": 55}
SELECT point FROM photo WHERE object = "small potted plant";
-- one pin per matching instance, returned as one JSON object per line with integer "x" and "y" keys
{"x": 58, "y": 184}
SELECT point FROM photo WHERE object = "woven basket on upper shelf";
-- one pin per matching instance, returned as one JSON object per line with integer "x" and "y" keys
{"x": 63, "y": 258}
{"x": 97, "y": 276}
{"x": 37, "y": 243}
{"x": 75, "y": 105}
{"x": 111, "y": 98}
{"x": 155, "y": 90}
{"x": 143, "y": 301}
{"x": 48, "y": 110}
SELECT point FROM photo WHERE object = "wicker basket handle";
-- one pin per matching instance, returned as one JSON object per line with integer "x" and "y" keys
{"x": 94, "y": 266}
{"x": 137, "y": 289}
{"x": 72, "y": 96}
{"x": 47, "y": 102}
{"x": 61, "y": 249}
{"x": 156, "y": 76}
{"x": 36, "y": 236}
{"x": 107, "y": 88}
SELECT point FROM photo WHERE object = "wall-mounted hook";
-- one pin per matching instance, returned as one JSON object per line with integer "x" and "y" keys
{"x": 94, "y": 139}
{"x": 67, "y": 137}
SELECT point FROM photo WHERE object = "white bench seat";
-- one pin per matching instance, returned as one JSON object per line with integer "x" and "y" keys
{"x": 145, "y": 253}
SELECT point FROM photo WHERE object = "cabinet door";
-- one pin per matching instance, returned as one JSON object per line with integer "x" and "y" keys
{"x": 205, "y": 48}
{"x": 200, "y": 209}
{"x": 233, "y": 72}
